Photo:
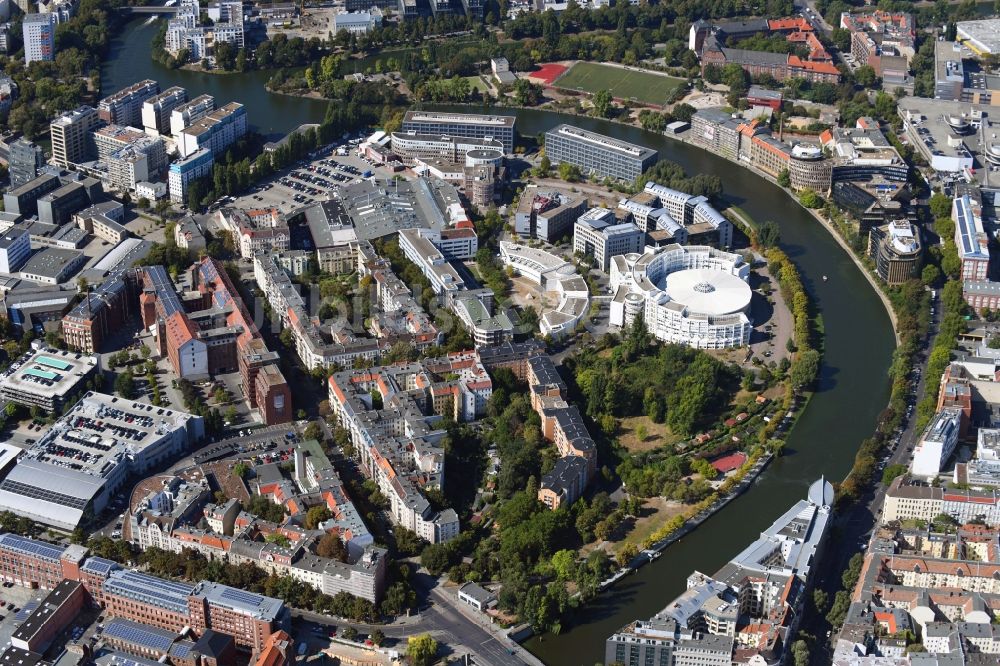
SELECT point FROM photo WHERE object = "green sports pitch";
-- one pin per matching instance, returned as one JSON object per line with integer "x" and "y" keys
{"x": 623, "y": 83}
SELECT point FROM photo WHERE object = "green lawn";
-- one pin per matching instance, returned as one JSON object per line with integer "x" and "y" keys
{"x": 643, "y": 86}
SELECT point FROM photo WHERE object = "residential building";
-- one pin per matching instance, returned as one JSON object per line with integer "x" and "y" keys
{"x": 156, "y": 110}
{"x": 896, "y": 251}
{"x": 464, "y": 125}
{"x": 741, "y": 614}
{"x": 72, "y": 136}
{"x": 186, "y": 114}
{"x": 597, "y": 154}
{"x": 184, "y": 171}
{"x": 883, "y": 40}
{"x": 39, "y": 33}
{"x": 125, "y": 106}
{"x": 215, "y": 131}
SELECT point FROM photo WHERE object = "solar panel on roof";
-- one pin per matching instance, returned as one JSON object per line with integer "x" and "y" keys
{"x": 31, "y": 546}
{"x": 137, "y": 634}
{"x": 28, "y": 609}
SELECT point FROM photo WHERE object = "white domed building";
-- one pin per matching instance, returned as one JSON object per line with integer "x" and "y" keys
{"x": 696, "y": 295}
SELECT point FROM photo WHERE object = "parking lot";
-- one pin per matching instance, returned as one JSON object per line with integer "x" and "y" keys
{"x": 311, "y": 181}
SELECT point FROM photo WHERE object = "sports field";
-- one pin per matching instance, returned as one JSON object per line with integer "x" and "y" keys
{"x": 623, "y": 83}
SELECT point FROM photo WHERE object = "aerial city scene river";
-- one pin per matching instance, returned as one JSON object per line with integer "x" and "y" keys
{"x": 504, "y": 333}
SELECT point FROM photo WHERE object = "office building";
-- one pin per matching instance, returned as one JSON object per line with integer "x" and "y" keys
{"x": 862, "y": 154}
{"x": 971, "y": 240}
{"x": 58, "y": 206}
{"x": 547, "y": 214}
{"x": 72, "y": 136}
{"x": 125, "y": 106}
{"x": 808, "y": 168}
{"x": 740, "y": 614}
{"x": 215, "y": 131}
{"x": 25, "y": 160}
{"x": 717, "y": 132}
{"x": 696, "y": 296}
{"x": 937, "y": 443}
{"x": 464, "y": 125}
{"x": 553, "y": 275}
{"x": 896, "y": 251}
{"x": 39, "y": 32}
{"x": 596, "y": 154}
{"x": 156, "y": 110}
{"x": 15, "y": 248}
{"x": 23, "y": 200}
{"x": 598, "y": 234}
{"x": 184, "y": 171}
{"x": 357, "y": 23}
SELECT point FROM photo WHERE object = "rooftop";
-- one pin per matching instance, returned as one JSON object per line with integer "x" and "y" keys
{"x": 603, "y": 142}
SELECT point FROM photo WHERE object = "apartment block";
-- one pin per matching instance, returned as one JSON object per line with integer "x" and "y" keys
{"x": 184, "y": 171}
{"x": 215, "y": 132}
{"x": 72, "y": 136}
{"x": 125, "y": 106}
{"x": 156, "y": 110}
{"x": 39, "y": 33}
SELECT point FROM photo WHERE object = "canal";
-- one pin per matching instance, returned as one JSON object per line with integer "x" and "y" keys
{"x": 852, "y": 389}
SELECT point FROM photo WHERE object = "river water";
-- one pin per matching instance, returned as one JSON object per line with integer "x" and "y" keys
{"x": 852, "y": 389}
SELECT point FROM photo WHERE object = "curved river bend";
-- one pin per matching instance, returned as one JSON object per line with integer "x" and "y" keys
{"x": 852, "y": 389}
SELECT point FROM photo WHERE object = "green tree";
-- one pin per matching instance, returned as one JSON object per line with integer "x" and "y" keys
{"x": 930, "y": 275}
{"x": 769, "y": 234}
{"x": 865, "y": 76}
{"x": 891, "y": 472}
{"x": 569, "y": 172}
{"x": 564, "y": 564}
{"x": 377, "y": 637}
{"x": 784, "y": 178}
{"x": 940, "y": 205}
{"x": 125, "y": 385}
{"x": 421, "y": 649}
{"x": 333, "y": 547}
{"x": 240, "y": 469}
{"x": 810, "y": 199}
{"x": 316, "y": 515}
{"x": 603, "y": 103}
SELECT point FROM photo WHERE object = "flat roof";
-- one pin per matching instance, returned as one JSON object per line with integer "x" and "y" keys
{"x": 50, "y": 262}
{"x": 602, "y": 141}
{"x": 458, "y": 118}
{"x": 984, "y": 34}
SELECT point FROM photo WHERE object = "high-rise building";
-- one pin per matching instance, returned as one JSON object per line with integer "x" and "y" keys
{"x": 595, "y": 153}
{"x": 125, "y": 106}
{"x": 25, "y": 160}
{"x": 72, "y": 139}
{"x": 39, "y": 32}
{"x": 895, "y": 249}
{"x": 183, "y": 172}
{"x": 156, "y": 110}
{"x": 216, "y": 131}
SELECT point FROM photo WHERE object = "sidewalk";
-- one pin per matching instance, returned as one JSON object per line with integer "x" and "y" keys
{"x": 498, "y": 632}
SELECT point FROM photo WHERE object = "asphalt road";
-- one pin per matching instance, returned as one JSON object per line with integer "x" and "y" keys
{"x": 453, "y": 627}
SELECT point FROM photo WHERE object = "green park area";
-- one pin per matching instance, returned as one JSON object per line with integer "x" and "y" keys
{"x": 591, "y": 77}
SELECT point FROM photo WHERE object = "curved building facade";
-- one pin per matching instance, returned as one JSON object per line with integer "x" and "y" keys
{"x": 695, "y": 296}
{"x": 809, "y": 168}
{"x": 895, "y": 249}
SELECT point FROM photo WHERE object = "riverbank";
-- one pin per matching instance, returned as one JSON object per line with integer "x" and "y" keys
{"x": 826, "y": 225}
